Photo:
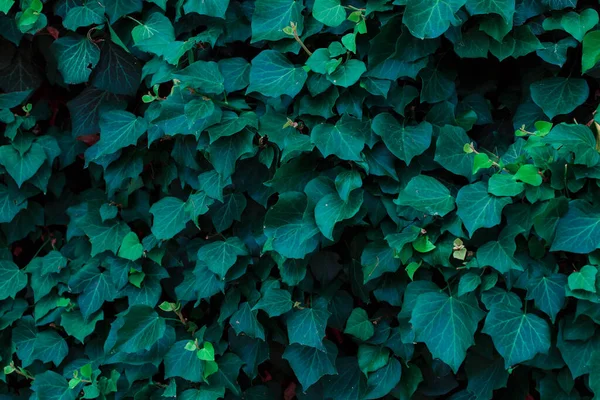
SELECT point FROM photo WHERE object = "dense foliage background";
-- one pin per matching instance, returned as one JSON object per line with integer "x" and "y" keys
{"x": 208, "y": 199}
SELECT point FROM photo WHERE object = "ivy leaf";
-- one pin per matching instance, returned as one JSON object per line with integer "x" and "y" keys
{"x": 117, "y": 71}
{"x": 89, "y": 13}
{"x": 22, "y": 166}
{"x": 76, "y": 56}
{"x": 578, "y": 24}
{"x": 271, "y": 16}
{"x": 558, "y": 95}
{"x": 244, "y": 321}
{"x": 548, "y": 292}
{"x": 347, "y": 74}
{"x": 517, "y": 335}
{"x": 220, "y": 256}
{"x": 212, "y": 8}
{"x": 12, "y": 279}
{"x": 449, "y": 151}
{"x": 504, "y": 8}
{"x": 405, "y": 142}
{"x": 273, "y": 75}
{"x": 479, "y": 209}
{"x": 331, "y": 209}
{"x": 378, "y": 258}
{"x": 155, "y": 35}
{"x": 170, "y": 217}
{"x": 116, "y": 9}
{"x": 591, "y": 51}
{"x": 50, "y": 385}
{"x": 329, "y": 12}
{"x": 104, "y": 235}
{"x": 345, "y": 139}
{"x": 183, "y": 363}
{"x": 275, "y": 302}
{"x": 307, "y": 327}
{"x": 359, "y": 326}
{"x": 204, "y": 76}
{"x": 142, "y": 327}
{"x": 500, "y": 254}
{"x": 446, "y": 324}
{"x": 429, "y": 19}
{"x": 131, "y": 248}
{"x": 584, "y": 279}
{"x": 577, "y": 139}
{"x": 118, "y": 129}
{"x": 426, "y": 194}
{"x": 578, "y": 231}
{"x": 310, "y": 364}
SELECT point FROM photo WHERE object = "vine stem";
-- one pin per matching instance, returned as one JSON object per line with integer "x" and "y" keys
{"x": 295, "y": 33}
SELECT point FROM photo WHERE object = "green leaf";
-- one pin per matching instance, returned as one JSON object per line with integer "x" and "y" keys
{"x": 142, "y": 327}
{"x": 275, "y": 302}
{"x": 359, "y": 326}
{"x": 271, "y": 16}
{"x": 578, "y": 24}
{"x": 378, "y": 258}
{"x": 90, "y": 13}
{"x": 118, "y": 129}
{"x": 468, "y": 283}
{"x": 156, "y": 35}
{"x": 505, "y": 185}
{"x": 584, "y": 279}
{"x": 548, "y": 293}
{"x": 384, "y": 380}
{"x": 307, "y": 327}
{"x": 76, "y": 56}
{"x": 429, "y": 19}
{"x": 345, "y": 139}
{"x": 212, "y": 8}
{"x": 50, "y": 386}
{"x": 372, "y": 358}
{"x": 518, "y": 336}
{"x": 244, "y": 321}
{"x": 204, "y": 76}
{"x": 500, "y": 254}
{"x": 405, "y": 142}
{"x": 331, "y": 209}
{"x": 446, "y": 324}
{"x": 131, "y": 247}
{"x": 558, "y": 96}
{"x": 12, "y": 279}
{"x": 103, "y": 235}
{"x": 577, "y": 139}
{"x": 329, "y": 12}
{"x": 220, "y": 256}
{"x": 578, "y": 231}
{"x": 22, "y": 166}
{"x": 449, "y": 151}
{"x": 310, "y": 364}
{"x": 479, "y": 209}
{"x": 273, "y": 75}
{"x": 591, "y": 51}
{"x": 116, "y": 9}
{"x": 170, "y": 217}
{"x": 529, "y": 174}
{"x": 504, "y": 8}
{"x": 347, "y": 74}
{"x": 426, "y": 194}
{"x": 182, "y": 363}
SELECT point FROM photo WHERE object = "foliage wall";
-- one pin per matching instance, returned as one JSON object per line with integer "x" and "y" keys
{"x": 206, "y": 199}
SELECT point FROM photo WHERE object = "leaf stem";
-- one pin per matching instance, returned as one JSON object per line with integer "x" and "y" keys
{"x": 295, "y": 33}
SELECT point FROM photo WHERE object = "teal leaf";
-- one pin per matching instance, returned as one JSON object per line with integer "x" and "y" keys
{"x": 204, "y": 76}
{"x": 180, "y": 362}
{"x": 500, "y": 254}
{"x": 378, "y": 258}
{"x": 22, "y": 166}
{"x": 578, "y": 231}
{"x": 236, "y": 73}
{"x": 449, "y": 151}
{"x": 577, "y": 139}
{"x": 273, "y": 75}
{"x": 142, "y": 328}
{"x": 220, "y": 256}
{"x": 331, "y": 209}
{"x": 558, "y": 95}
{"x": 310, "y": 364}
{"x": 429, "y": 19}
{"x": 131, "y": 248}
{"x": 347, "y": 74}
{"x": 504, "y": 8}
{"x": 329, "y": 12}
{"x": 211, "y": 8}
{"x": 548, "y": 293}
{"x": 156, "y": 35}
{"x": 89, "y": 13}
{"x": 275, "y": 302}
{"x": 345, "y": 139}
{"x": 479, "y": 209}
{"x": 244, "y": 321}
{"x": 446, "y": 324}
{"x": 104, "y": 235}
{"x": 116, "y": 9}
{"x": 426, "y": 194}
{"x": 118, "y": 71}
{"x": 118, "y": 129}
{"x": 359, "y": 326}
{"x": 52, "y": 386}
{"x": 405, "y": 142}
{"x": 307, "y": 327}
{"x": 50, "y": 347}
{"x": 271, "y": 16}
{"x": 517, "y": 335}
{"x": 12, "y": 279}
{"x": 76, "y": 56}
{"x": 170, "y": 217}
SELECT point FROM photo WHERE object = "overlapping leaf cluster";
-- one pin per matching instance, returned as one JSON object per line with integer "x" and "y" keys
{"x": 355, "y": 199}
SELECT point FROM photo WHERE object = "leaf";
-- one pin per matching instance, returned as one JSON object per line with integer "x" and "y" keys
{"x": 372, "y": 358}
{"x": 118, "y": 129}
{"x": 517, "y": 336}
{"x": 347, "y": 74}
{"x": 307, "y": 327}
{"x": 131, "y": 247}
{"x": 50, "y": 385}
{"x": 578, "y": 24}
{"x": 449, "y": 151}
{"x": 359, "y": 326}
{"x": 12, "y": 279}
{"x": 405, "y": 142}
{"x": 89, "y": 13}
{"x": 479, "y": 209}
{"x": 183, "y": 363}
{"x": 378, "y": 258}
{"x": 329, "y": 12}
{"x": 142, "y": 328}
{"x": 275, "y": 302}
{"x": 116, "y": 9}
{"x": 22, "y": 166}
{"x": 271, "y": 16}
{"x": 117, "y": 71}
{"x": 170, "y": 217}
{"x": 558, "y": 96}
{"x": 548, "y": 292}
{"x": 273, "y": 75}
{"x": 345, "y": 139}
{"x": 331, "y": 209}
{"x": 310, "y": 364}
{"x": 426, "y": 194}
{"x": 591, "y": 51}
{"x": 446, "y": 325}
{"x": 500, "y": 254}
{"x": 103, "y": 235}
{"x": 220, "y": 256}
{"x": 584, "y": 279}
{"x": 244, "y": 321}
{"x": 430, "y": 19}
{"x": 504, "y": 8}
{"x": 204, "y": 76}
{"x": 76, "y": 56}
{"x": 212, "y": 8}
{"x": 578, "y": 231}
{"x": 577, "y": 139}
{"x": 155, "y": 35}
